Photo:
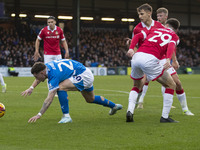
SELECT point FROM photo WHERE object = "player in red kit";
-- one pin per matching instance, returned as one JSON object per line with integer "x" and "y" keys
{"x": 162, "y": 15}
{"x": 146, "y": 60}
{"x": 147, "y": 23}
{"x": 52, "y": 35}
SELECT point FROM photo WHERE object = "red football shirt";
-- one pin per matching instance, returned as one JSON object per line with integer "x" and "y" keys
{"x": 142, "y": 27}
{"x": 51, "y": 40}
{"x": 157, "y": 42}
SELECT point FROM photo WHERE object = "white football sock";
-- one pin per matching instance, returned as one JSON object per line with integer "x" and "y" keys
{"x": 132, "y": 101}
{"x": 183, "y": 101}
{"x": 163, "y": 90}
{"x": 167, "y": 103}
{"x": 144, "y": 90}
{"x": 2, "y": 80}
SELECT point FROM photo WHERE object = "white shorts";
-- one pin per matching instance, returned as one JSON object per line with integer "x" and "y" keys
{"x": 48, "y": 58}
{"x": 143, "y": 63}
{"x": 83, "y": 81}
{"x": 171, "y": 69}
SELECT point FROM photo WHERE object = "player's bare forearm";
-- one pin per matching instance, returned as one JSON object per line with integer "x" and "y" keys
{"x": 35, "y": 83}
{"x": 37, "y": 54}
{"x": 45, "y": 106}
{"x": 37, "y": 45}
{"x": 48, "y": 101}
{"x": 175, "y": 63}
{"x": 66, "y": 49}
{"x": 174, "y": 57}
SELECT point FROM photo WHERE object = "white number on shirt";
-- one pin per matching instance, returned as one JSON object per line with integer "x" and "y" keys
{"x": 164, "y": 37}
{"x": 60, "y": 62}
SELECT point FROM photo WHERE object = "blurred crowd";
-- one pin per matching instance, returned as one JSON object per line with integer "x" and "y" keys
{"x": 97, "y": 46}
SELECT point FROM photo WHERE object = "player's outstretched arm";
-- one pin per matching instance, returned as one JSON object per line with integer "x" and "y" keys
{"x": 30, "y": 89}
{"x": 46, "y": 104}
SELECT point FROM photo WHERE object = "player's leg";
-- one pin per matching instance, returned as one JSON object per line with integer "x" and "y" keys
{"x": 142, "y": 94}
{"x": 181, "y": 95}
{"x": 167, "y": 81}
{"x": 2, "y": 83}
{"x": 137, "y": 74}
{"x": 64, "y": 86}
{"x": 91, "y": 98}
{"x": 133, "y": 95}
{"x": 63, "y": 99}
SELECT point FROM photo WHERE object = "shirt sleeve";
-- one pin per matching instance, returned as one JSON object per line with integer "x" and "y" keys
{"x": 62, "y": 36}
{"x": 41, "y": 34}
{"x": 53, "y": 83}
{"x": 171, "y": 49}
{"x": 137, "y": 38}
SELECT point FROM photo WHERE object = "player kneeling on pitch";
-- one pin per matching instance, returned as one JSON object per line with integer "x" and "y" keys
{"x": 67, "y": 75}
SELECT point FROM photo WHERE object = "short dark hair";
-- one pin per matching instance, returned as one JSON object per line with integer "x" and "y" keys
{"x": 162, "y": 10}
{"x": 145, "y": 7}
{"x": 173, "y": 22}
{"x": 37, "y": 67}
{"x": 51, "y": 17}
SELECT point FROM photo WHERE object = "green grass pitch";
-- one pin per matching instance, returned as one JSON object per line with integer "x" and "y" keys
{"x": 92, "y": 128}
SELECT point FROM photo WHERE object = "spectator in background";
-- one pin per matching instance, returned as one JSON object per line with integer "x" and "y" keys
{"x": 94, "y": 63}
{"x": 88, "y": 62}
{"x": 12, "y": 71}
{"x": 98, "y": 41}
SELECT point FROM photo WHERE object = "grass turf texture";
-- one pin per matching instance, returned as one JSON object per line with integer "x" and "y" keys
{"x": 92, "y": 128}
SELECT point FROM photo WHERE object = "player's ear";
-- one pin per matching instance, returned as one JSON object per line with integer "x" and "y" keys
{"x": 149, "y": 13}
{"x": 43, "y": 71}
{"x": 167, "y": 25}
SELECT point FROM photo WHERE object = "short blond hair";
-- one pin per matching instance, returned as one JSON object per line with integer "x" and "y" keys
{"x": 145, "y": 7}
{"x": 162, "y": 10}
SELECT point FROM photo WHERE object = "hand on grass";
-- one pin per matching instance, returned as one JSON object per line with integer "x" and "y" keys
{"x": 27, "y": 92}
{"x": 34, "y": 119}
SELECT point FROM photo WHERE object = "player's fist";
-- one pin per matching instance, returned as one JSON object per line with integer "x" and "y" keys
{"x": 130, "y": 53}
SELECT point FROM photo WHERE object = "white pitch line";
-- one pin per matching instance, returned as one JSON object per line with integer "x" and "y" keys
{"x": 124, "y": 92}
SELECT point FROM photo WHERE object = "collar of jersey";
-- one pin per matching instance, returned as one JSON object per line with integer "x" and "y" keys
{"x": 148, "y": 28}
{"x": 53, "y": 29}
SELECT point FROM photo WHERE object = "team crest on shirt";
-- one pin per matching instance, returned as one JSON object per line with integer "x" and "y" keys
{"x": 56, "y": 32}
{"x": 47, "y": 32}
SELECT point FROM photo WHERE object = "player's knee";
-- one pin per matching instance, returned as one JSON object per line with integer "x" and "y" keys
{"x": 90, "y": 100}
{"x": 172, "y": 85}
{"x": 178, "y": 85}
